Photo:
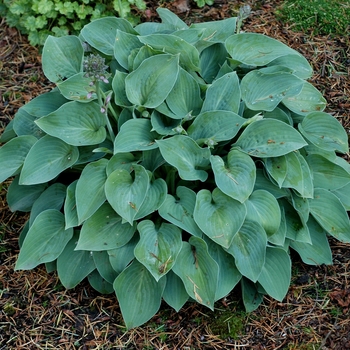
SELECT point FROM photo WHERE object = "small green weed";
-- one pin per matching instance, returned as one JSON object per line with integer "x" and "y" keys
{"x": 316, "y": 16}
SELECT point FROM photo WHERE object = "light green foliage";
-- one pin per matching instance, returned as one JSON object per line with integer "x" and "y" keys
{"x": 316, "y": 16}
{"x": 176, "y": 166}
{"x": 41, "y": 18}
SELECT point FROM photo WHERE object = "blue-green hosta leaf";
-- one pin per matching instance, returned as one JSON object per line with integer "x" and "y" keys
{"x": 298, "y": 63}
{"x": 104, "y": 230}
{"x": 121, "y": 161}
{"x": 62, "y": 57}
{"x": 21, "y": 197}
{"x": 298, "y": 175}
{"x": 104, "y": 267}
{"x": 211, "y": 60}
{"x": 262, "y": 182}
{"x": 171, "y": 18}
{"x": 263, "y": 208}
{"x": 99, "y": 283}
{"x": 76, "y": 88}
{"x": 297, "y": 230}
{"x": 262, "y": 90}
{"x": 155, "y": 197}
{"x": 229, "y": 275}
{"x": 185, "y": 97}
{"x": 249, "y": 249}
{"x": 269, "y": 138}
{"x": 276, "y": 273}
{"x": 52, "y": 198}
{"x": 175, "y": 293}
{"x": 76, "y": 124}
{"x": 198, "y": 271}
{"x": 152, "y": 159}
{"x": 101, "y": 33}
{"x": 24, "y": 125}
{"x": 137, "y": 284}
{"x": 256, "y": 49}
{"x": 126, "y": 193}
{"x": 213, "y": 214}
{"x": 89, "y": 193}
{"x": 223, "y": 94}
{"x": 186, "y": 156}
{"x": 121, "y": 257}
{"x": 237, "y": 177}
{"x": 317, "y": 252}
{"x": 8, "y": 133}
{"x": 279, "y": 114}
{"x": 135, "y": 135}
{"x": 118, "y": 85}
{"x": 328, "y": 211}
{"x": 124, "y": 44}
{"x": 343, "y": 194}
{"x": 277, "y": 168}
{"x": 179, "y": 211}
{"x": 172, "y": 44}
{"x": 325, "y": 132}
{"x": 309, "y": 100}
{"x": 48, "y": 157}
{"x": 164, "y": 125}
{"x": 44, "y": 241}
{"x": 279, "y": 237}
{"x": 13, "y": 154}
{"x": 70, "y": 206}
{"x": 150, "y": 84}
{"x": 158, "y": 248}
{"x": 251, "y": 296}
{"x": 215, "y": 126}
{"x": 326, "y": 174}
{"x": 74, "y": 265}
{"x": 301, "y": 205}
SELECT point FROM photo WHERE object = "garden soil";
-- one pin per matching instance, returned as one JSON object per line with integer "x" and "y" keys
{"x": 36, "y": 312}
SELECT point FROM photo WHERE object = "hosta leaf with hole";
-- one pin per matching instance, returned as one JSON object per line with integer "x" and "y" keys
{"x": 219, "y": 216}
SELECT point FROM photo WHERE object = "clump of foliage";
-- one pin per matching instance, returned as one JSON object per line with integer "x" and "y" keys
{"x": 175, "y": 162}
{"x": 41, "y": 18}
{"x": 316, "y": 16}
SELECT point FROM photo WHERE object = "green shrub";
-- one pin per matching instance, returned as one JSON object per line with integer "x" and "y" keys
{"x": 175, "y": 162}
{"x": 41, "y": 18}
{"x": 316, "y": 16}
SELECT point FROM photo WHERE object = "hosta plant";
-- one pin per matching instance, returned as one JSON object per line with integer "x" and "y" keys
{"x": 175, "y": 162}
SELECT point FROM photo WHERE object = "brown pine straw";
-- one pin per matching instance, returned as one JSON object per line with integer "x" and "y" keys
{"x": 36, "y": 312}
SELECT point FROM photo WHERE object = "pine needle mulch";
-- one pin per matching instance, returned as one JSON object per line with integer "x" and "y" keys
{"x": 36, "y": 312}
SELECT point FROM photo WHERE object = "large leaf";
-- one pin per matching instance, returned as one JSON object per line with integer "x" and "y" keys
{"x": 317, "y": 252}
{"x": 179, "y": 211}
{"x": 104, "y": 267}
{"x": 249, "y": 249}
{"x": 62, "y": 57}
{"x": 215, "y": 126}
{"x": 328, "y": 211}
{"x": 44, "y": 241}
{"x": 158, "y": 248}
{"x": 126, "y": 193}
{"x": 89, "y": 192}
{"x": 325, "y": 132}
{"x": 99, "y": 283}
{"x": 135, "y": 135}
{"x": 171, "y": 44}
{"x": 118, "y": 85}
{"x": 76, "y": 88}
{"x": 101, "y": 33}
{"x": 326, "y": 174}
{"x": 187, "y": 159}
{"x": 250, "y": 295}
{"x": 236, "y": 178}
{"x": 48, "y": 157}
{"x": 309, "y": 100}
{"x": 171, "y": 19}
{"x": 276, "y": 273}
{"x": 198, "y": 271}
{"x": 269, "y": 138}
{"x": 74, "y": 265}
{"x": 277, "y": 168}
{"x": 137, "y": 284}
{"x": 263, "y": 208}
{"x": 256, "y": 49}
{"x": 150, "y": 84}
{"x": 223, "y": 94}
{"x": 297, "y": 63}
{"x": 262, "y": 90}
{"x": 104, "y": 230}
{"x": 229, "y": 275}
{"x": 70, "y": 206}
{"x": 24, "y": 125}
{"x": 76, "y": 124}
{"x": 213, "y": 214}
{"x": 185, "y": 97}
{"x": 13, "y": 154}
